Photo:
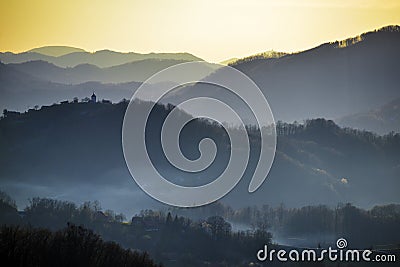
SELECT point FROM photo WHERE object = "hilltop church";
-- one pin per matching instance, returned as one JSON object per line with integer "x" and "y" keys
{"x": 93, "y": 98}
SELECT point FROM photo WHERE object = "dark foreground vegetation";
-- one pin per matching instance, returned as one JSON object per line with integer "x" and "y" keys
{"x": 170, "y": 239}
{"x": 72, "y": 246}
{"x": 37, "y": 235}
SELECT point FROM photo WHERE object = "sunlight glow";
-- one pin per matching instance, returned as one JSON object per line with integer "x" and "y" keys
{"x": 213, "y": 30}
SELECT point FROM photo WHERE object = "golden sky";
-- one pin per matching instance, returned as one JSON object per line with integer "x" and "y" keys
{"x": 214, "y": 30}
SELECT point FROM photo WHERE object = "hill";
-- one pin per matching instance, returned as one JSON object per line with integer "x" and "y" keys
{"x": 381, "y": 120}
{"x": 74, "y": 150}
{"x": 20, "y": 91}
{"x": 101, "y": 59}
{"x": 265, "y": 55}
{"x": 136, "y": 71}
{"x": 332, "y": 80}
{"x": 228, "y": 61}
{"x": 55, "y": 51}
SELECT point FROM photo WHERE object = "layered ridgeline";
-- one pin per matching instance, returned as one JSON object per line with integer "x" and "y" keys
{"x": 73, "y": 151}
{"x": 132, "y": 71}
{"x": 50, "y": 74}
{"x": 74, "y": 66}
{"x": 63, "y": 56}
{"x": 380, "y": 120}
{"x": 21, "y": 91}
{"x": 333, "y": 80}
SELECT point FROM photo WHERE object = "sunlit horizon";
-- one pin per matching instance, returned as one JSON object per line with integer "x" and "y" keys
{"x": 212, "y": 31}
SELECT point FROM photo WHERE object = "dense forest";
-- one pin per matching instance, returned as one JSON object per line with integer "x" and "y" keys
{"x": 314, "y": 225}
{"x": 171, "y": 239}
{"x": 55, "y": 148}
{"x": 184, "y": 237}
{"x": 71, "y": 149}
{"x": 72, "y": 246}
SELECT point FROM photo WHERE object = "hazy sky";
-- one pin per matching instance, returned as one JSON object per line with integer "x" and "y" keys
{"x": 211, "y": 29}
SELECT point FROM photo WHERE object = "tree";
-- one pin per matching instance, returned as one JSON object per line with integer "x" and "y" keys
{"x": 120, "y": 217}
{"x": 4, "y": 197}
{"x": 72, "y": 246}
{"x": 169, "y": 219}
{"x": 219, "y": 227}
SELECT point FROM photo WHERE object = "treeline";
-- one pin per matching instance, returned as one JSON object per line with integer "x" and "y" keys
{"x": 79, "y": 143}
{"x": 362, "y": 228}
{"x": 168, "y": 238}
{"x": 265, "y": 55}
{"x": 319, "y": 224}
{"x": 319, "y": 127}
{"x": 72, "y": 246}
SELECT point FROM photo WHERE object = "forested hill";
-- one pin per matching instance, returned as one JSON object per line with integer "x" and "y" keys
{"x": 73, "y": 150}
{"x": 212, "y": 234}
{"x": 72, "y": 246}
{"x": 332, "y": 80}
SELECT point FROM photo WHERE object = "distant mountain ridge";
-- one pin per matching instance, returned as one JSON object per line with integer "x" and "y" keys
{"x": 102, "y": 58}
{"x": 137, "y": 71}
{"x": 338, "y": 44}
{"x": 332, "y": 80}
{"x": 20, "y": 91}
{"x": 55, "y": 51}
{"x": 381, "y": 120}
